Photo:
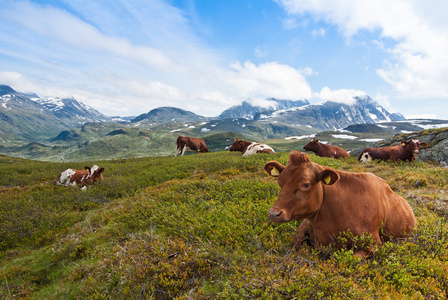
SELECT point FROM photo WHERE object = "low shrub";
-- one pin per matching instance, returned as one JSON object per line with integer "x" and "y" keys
{"x": 196, "y": 227}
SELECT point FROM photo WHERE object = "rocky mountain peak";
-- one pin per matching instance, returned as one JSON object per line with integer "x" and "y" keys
{"x": 331, "y": 115}
{"x": 5, "y": 90}
{"x": 250, "y": 108}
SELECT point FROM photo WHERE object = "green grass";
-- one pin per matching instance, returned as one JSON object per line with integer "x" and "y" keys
{"x": 196, "y": 227}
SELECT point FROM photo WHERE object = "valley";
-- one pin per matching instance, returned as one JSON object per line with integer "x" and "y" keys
{"x": 53, "y": 129}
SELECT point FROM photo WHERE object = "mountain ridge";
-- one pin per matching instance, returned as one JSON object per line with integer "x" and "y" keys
{"x": 64, "y": 134}
{"x": 333, "y": 115}
{"x": 247, "y": 110}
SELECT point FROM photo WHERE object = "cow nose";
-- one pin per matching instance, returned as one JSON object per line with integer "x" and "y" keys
{"x": 274, "y": 214}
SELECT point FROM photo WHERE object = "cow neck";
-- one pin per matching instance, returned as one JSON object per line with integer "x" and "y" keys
{"x": 319, "y": 147}
{"x": 246, "y": 145}
{"x": 315, "y": 214}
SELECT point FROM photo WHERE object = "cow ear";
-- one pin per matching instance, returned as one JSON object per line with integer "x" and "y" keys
{"x": 424, "y": 144}
{"x": 87, "y": 168}
{"x": 403, "y": 143}
{"x": 274, "y": 168}
{"x": 100, "y": 170}
{"x": 329, "y": 177}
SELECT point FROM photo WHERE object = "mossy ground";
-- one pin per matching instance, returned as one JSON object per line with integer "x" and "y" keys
{"x": 196, "y": 227}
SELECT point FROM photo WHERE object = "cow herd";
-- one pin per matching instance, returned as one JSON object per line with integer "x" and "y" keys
{"x": 406, "y": 151}
{"x": 328, "y": 201}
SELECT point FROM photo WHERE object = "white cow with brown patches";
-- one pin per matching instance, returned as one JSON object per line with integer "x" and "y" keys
{"x": 81, "y": 178}
{"x": 249, "y": 148}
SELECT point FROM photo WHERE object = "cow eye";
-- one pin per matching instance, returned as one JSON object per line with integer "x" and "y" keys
{"x": 305, "y": 185}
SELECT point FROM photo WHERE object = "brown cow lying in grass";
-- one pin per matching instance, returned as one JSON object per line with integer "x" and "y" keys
{"x": 81, "y": 178}
{"x": 325, "y": 150}
{"x": 407, "y": 150}
{"x": 333, "y": 202}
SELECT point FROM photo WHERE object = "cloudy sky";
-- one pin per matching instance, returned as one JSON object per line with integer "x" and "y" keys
{"x": 126, "y": 57}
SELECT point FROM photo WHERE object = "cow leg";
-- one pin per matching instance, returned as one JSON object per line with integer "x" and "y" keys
{"x": 183, "y": 150}
{"x": 365, "y": 253}
{"x": 304, "y": 234}
{"x": 368, "y": 252}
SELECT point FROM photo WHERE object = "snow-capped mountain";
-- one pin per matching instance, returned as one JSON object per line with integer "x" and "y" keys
{"x": 332, "y": 115}
{"x": 22, "y": 118}
{"x": 71, "y": 111}
{"x": 30, "y": 117}
{"x": 249, "y": 108}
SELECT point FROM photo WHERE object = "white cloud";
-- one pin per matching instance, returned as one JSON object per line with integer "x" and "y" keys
{"x": 418, "y": 63}
{"x": 150, "y": 57}
{"x": 317, "y": 33}
{"x": 421, "y": 116}
{"x": 261, "y": 51}
{"x": 341, "y": 96}
{"x": 265, "y": 103}
{"x": 290, "y": 23}
{"x": 65, "y": 28}
{"x": 269, "y": 80}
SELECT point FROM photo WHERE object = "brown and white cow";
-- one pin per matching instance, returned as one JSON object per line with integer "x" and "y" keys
{"x": 81, "y": 178}
{"x": 185, "y": 143}
{"x": 249, "y": 148}
{"x": 333, "y": 201}
{"x": 407, "y": 150}
{"x": 325, "y": 150}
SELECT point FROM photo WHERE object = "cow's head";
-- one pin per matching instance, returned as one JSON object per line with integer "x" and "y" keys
{"x": 413, "y": 146}
{"x": 301, "y": 182}
{"x": 238, "y": 145}
{"x": 311, "y": 146}
{"x": 95, "y": 173}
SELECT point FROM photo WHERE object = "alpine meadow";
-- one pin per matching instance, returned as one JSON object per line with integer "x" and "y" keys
{"x": 206, "y": 149}
{"x": 196, "y": 227}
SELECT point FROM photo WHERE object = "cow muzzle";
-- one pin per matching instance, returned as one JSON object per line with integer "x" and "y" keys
{"x": 276, "y": 215}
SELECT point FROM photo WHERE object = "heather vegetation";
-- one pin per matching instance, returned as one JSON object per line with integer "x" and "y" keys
{"x": 196, "y": 227}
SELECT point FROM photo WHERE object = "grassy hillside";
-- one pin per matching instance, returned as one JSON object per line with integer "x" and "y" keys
{"x": 195, "y": 227}
{"x": 110, "y": 140}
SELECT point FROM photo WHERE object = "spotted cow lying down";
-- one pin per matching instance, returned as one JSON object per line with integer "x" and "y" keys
{"x": 81, "y": 178}
{"x": 249, "y": 148}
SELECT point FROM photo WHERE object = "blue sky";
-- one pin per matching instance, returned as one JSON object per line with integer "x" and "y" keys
{"x": 126, "y": 57}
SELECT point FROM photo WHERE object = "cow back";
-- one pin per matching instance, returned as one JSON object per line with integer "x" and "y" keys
{"x": 325, "y": 150}
{"x": 255, "y": 148}
{"x": 191, "y": 143}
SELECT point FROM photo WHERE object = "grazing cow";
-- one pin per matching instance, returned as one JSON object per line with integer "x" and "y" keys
{"x": 333, "y": 202}
{"x": 249, "y": 148}
{"x": 185, "y": 143}
{"x": 81, "y": 178}
{"x": 325, "y": 150}
{"x": 407, "y": 150}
